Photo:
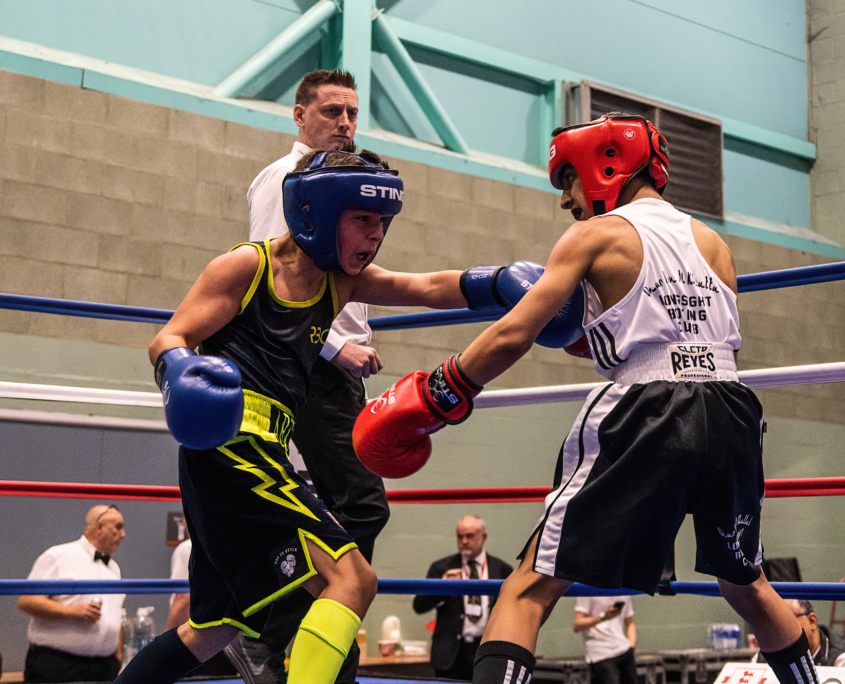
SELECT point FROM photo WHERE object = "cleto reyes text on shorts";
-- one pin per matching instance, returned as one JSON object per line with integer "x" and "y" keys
{"x": 693, "y": 361}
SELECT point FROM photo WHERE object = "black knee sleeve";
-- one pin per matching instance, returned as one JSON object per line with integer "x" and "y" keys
{"x": 794, "y": 664}
{"x": 502, "y": 662}
{"x": 164, "y": 660}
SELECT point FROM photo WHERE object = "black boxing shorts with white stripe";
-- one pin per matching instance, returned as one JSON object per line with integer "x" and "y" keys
{"x": 637, "y": 460}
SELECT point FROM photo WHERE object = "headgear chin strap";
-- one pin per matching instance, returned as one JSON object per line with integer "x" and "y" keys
{"x": 314, "y": 200}
{"x": 606, "y": 154}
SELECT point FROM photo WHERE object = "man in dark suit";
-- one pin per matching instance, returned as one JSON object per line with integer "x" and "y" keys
{"x": 461, "y": 619}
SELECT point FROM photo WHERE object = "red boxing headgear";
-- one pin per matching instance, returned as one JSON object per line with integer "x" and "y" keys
{"x": 606, "y": 154}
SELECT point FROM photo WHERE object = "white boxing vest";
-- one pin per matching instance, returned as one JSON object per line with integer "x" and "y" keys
{"x": 678, "y": 307}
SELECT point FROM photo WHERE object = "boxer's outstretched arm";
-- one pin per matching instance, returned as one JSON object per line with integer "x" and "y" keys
{"x": 213, "y": 300}
{"x": 439, "y": 290}
{"x": 509, "y": 339}
{"x": 392, "y": 439}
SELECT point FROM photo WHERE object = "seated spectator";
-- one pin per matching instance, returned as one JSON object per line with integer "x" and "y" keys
{"x": 828, "y": 648}
{"x": 607, "y": 625}
{"x": 76, "y": 638}
{"x": 461, "y": 620}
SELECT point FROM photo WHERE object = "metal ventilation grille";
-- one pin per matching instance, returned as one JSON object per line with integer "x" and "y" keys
{"x": 695, "y": 142}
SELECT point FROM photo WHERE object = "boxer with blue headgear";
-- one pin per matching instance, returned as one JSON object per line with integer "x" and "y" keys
{"x": 316, "y": 198}
{"x": 260, "y": 316}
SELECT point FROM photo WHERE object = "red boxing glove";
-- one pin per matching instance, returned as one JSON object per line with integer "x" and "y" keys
{"x": 449, "y": 393}
{"x": 391, "y": 435}
{"x": 580, "y": 348}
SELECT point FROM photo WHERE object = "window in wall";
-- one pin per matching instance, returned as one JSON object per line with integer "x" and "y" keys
{"x": 695, "y": 142}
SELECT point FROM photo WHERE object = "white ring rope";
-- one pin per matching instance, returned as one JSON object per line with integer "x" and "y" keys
{"x": 815, "y": 374}
{"x": 83, "y": 395}
{"x": 767, "y": 377}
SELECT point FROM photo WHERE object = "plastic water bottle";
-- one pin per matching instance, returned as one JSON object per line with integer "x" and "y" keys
{"x": 722, "y": 637}
{"x": 129, "y": 647}
{"x": 145, "y": 629}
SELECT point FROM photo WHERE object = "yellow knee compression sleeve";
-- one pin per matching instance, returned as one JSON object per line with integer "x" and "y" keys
{"x": 322, "y": 643}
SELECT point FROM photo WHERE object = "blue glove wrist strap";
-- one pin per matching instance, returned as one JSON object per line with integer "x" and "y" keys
{"x": 166, "y": 359}
{"x": 478, "y": 286}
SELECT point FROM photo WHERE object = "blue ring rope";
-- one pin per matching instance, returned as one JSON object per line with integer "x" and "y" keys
{"x": 755, "y": 282}
{"x": 828, "y": 591}
{"x": 69, "y": 307}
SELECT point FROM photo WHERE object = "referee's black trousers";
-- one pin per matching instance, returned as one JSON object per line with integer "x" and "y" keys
{"x": 44, "y": 664}
{"x": 323, "y": 435}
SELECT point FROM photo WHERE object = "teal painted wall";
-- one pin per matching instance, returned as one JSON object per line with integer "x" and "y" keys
{"x": 744, "y": 60}
{"x": 766, "y": 185}
{"x": 747, "y": 60}
{"x": 196, "y": 40}
{"x": 741, "y": 60}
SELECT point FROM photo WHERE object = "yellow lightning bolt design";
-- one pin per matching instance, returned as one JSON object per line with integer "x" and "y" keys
{"x": 266, "y": 481}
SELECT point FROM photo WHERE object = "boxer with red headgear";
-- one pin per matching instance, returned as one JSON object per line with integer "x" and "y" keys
{"x": 672, "y": 432}
{"x": 606, "y": 154}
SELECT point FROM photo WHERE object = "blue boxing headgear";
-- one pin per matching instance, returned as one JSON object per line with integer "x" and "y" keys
{"x": 315, "y": 199}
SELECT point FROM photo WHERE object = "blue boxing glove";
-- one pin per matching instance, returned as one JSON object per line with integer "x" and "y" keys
{"x": 478, "y": 286}
{"x": 489, "y": 287}
{"x": 203, "y": 401}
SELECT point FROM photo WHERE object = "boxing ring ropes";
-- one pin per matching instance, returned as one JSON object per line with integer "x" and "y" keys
{"x": 765, "y": 378}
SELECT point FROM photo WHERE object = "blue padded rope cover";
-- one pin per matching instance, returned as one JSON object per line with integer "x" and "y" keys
{"x": 830, "y": 591}
{"x": 755, "y": 282}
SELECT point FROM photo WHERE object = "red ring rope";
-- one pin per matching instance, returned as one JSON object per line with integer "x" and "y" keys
{"x": 818, "y": 486}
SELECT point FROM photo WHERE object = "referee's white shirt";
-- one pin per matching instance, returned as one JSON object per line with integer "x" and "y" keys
{"x": 267, "y": 220}
{"x": 607, "y": 639}
{"x": 75, "y": 561}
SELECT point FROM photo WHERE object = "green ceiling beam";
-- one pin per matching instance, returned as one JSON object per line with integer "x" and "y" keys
{"x": 270, "y": 56}
{"x": 356, "y": 52}
{"x": 551, "y": 116}
{"x": 393, "y": 48}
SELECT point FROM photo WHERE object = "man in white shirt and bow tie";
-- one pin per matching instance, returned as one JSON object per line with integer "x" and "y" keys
{"x": 75, "y": 638}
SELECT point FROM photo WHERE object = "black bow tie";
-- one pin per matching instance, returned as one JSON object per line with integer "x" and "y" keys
{"x": 101, "y": 556}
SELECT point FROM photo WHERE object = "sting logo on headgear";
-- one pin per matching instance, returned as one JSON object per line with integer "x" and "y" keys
{"x": 381, "y": 191}
{"x": 315, "y": 199}
{"x": 606, "y": 154}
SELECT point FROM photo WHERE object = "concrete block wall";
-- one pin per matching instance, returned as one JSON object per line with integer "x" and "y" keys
{"x": 112, "y": 200}
{"x": 826, "y": 65}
